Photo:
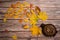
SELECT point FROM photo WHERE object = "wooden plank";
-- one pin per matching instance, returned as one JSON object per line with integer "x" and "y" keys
{"x": 25, "y": 36}
{"x": 45, "y": 3}
{"x": 52, "y": 7}
{"x": 47, "y": 9}
{"x": 32, "y": 39}
{"x": 50, "y": 16}
{"x": 18, "y": 34}
{"x": 53, "y": 13}
{"x": 46, "y": 38}
{"x": 9, "y": 0}
{"x": 18, "y": 39}
{"x": 6, "y": 5}
{"x": 14, "y": 25}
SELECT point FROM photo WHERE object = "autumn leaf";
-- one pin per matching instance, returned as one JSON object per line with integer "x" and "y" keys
{"x": 43, "y": 16}
{"x": 21, "y": 20}
{"x": 35, "y": 30}
{"x": 15, "y": 17}
{"x": 26, "y": 20}
{"x": 14, "y": 37}
{"x": 26, "y": 26}
{"x": 4, "y": 20}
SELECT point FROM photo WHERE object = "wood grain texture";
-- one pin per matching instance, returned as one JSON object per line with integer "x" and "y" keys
{"x": 14, "y": 25}
{"x": 52, "y": 7}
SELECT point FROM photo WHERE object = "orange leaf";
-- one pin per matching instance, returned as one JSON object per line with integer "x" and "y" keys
{"x": 28, "y": 14}
{"x": 4, "y": 19}
{"x": 21, "y": 20}
{"x": 26, "y": 26}
{"x": 13, "y": 6}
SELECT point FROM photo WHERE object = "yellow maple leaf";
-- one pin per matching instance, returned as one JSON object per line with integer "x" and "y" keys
{"x": 32, "y": 22}
{"x": 35, "y": 30}
{"x": 43, "y": 16}
{"x": 33, "y": 17}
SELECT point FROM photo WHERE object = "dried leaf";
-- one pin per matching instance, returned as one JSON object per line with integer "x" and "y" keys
{"x": 37, "y": 9}
{"x": 35, "y": 30}
{"x": 31, "y": 6}
{"x": 21, "y": 20}
{"x": 26, "y": 26}
{"x": 14, "y": 37}
{"x": 28, "y": 15}
{"x": 26, "y": 4}
{"x": 18, "y": 4}
{"x": 4, "y": 20}
{"x": 26, "y": 20}
{"x": 13, "y": 6}
{"x": 33, "y": 18}
{"x": 43, "y": 16}
{"x": 15, "y": 17}
{"x": 9, "y": 9}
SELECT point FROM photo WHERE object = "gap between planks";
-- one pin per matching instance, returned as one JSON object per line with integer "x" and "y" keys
{"x": 29, "y": 19}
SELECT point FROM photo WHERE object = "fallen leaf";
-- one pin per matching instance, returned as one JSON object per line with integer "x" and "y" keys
{"x": 14, "y": 37}
{"x": 18, "y": 4}
{"x": 28, "y": 15}
{"x": 21, "y": 20}
{"x": 35, "y": 30}
{"x": 26, "y": 20}
{"x": 9, "y": 9}
{"x": 31, "y": 6}
{"x": 15, "y": 17}
{"x": 26, "y": 4}
{"x": 13, "y": 6}
{"x": 4, "y": 20}
{"x": 26, "y": 26}
{"x": 37, "y": 9}
{"x": 43, "y": 16}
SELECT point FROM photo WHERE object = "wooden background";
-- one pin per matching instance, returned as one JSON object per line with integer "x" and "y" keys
{"x": 52, "y": 7}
